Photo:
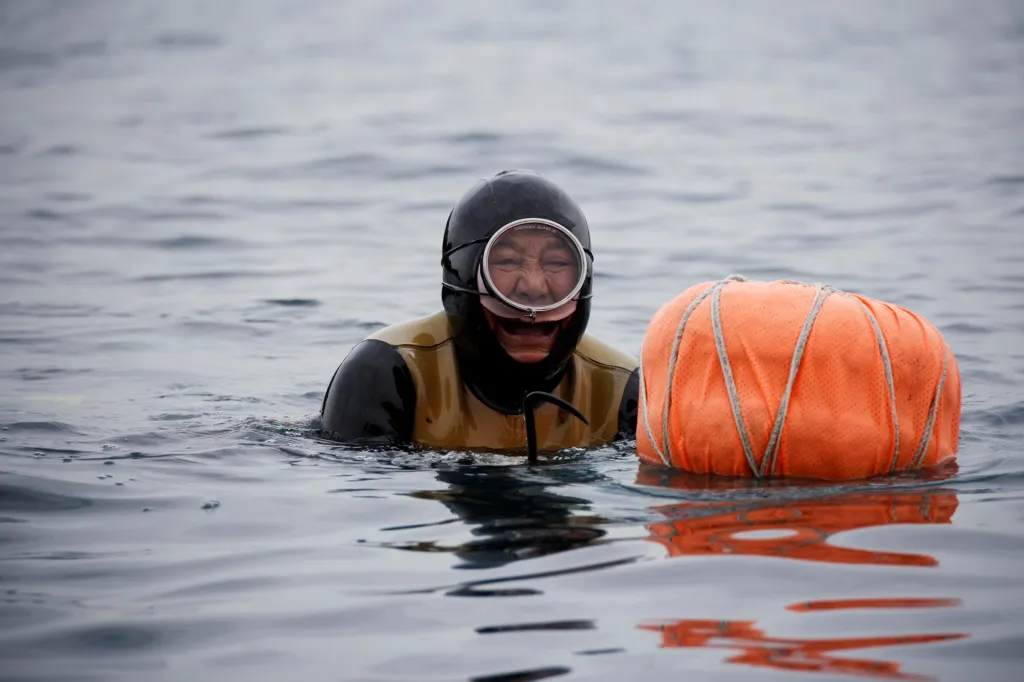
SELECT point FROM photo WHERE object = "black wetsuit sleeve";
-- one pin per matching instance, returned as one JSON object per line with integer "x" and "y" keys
{"x": 628, "y": 407}
{"x": 371, "y": 398}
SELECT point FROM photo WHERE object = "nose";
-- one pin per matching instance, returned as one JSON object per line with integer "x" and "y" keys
{"x": 532, "y": 287}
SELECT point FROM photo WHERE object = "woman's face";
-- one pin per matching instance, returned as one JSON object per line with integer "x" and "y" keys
{"x": 533, "y": 266}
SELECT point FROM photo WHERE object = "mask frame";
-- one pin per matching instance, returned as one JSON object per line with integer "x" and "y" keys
{"x": 585, "y": 258}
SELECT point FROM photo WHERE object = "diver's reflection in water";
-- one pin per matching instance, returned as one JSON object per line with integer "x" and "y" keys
{"x": 515, "y": 511}
{"x": 792, "y": 522}
{"x": 797, "y": 523}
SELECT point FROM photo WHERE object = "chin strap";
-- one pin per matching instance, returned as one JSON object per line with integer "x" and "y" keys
{"x": 530, "y": 403}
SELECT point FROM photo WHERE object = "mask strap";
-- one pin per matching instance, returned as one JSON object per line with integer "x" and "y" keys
{"x": 452, "y": 250}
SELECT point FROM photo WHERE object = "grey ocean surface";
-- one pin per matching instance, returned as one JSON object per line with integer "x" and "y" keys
{"x": 204, "y": 205}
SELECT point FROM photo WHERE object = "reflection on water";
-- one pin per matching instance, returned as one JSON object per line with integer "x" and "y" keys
{"x": 887, "y": 603}
{"x": 518, "y": 513}
{"x": 794, "y": 523}
{"x": 513, "y": 516}
{"x": 793, "y": 526}
{"x": 757, "y": 648}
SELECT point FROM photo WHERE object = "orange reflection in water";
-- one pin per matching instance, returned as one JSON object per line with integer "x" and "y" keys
{"x": 839, "y": 604}
{"x": 756, "y": 648}
{"x": 797, "y": 529}
{"x": 791, "y": 528}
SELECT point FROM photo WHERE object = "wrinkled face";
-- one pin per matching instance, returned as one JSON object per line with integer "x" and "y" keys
{"x": 533, "y": 266}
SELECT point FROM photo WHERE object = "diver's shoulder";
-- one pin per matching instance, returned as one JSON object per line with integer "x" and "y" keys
{"x": 423, "y": 332}
{"x": 599, "y": 353}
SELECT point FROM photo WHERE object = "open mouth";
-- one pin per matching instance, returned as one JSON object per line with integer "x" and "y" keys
{"x": 527, "y": 331}
{"x": 525, "y": 341}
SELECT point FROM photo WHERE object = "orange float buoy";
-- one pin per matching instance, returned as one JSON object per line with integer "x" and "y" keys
{"x": 761, "y": 379}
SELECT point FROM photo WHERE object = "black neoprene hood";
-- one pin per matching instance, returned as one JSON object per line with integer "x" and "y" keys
{"x": 493, "y": 376}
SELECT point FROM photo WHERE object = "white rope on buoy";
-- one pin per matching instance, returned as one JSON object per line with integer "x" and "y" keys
{"x": 775, "y": 441}
{"x": 643, "y": 410}
{"x": 666, "y": 454}
{"x": 926, "y": 437}
{"x": 710, "y": 291}
{"x": 730, "y": 382}
{"x": 767, "y": 463}
{"x": 887, "y": 362}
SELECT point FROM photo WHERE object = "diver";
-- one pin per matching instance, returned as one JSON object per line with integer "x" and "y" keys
{"x": 517, "y": 280}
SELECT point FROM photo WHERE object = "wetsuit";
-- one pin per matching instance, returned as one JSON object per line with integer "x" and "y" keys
{"x": 403, "y": 384}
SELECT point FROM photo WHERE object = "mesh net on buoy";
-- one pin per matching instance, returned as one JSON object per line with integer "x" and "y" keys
{"x": 760, "y": 379}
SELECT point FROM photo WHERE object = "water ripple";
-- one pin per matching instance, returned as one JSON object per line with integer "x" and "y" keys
{"x": 188, "y": 40}
{"x": 253, "y": 133}
{"x": 48, "y": 426}
{"x": 195, "y": 241}
{"x": 19, "y": 499}
{"x": 214, "y": 275}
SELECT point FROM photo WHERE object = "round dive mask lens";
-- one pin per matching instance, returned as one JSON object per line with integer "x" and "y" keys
{"x": 534, "y": 265}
